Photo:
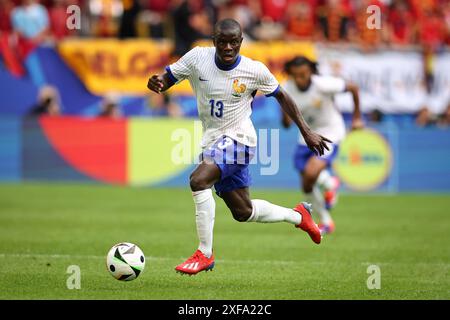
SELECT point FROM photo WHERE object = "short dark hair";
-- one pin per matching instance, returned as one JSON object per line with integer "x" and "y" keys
{"x": 227, "y": 24}
{"x": 299, "y": 61}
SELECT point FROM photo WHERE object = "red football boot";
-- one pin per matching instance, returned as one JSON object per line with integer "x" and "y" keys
{"x": 308, "y": 223}
{"x": 196, "y": 263}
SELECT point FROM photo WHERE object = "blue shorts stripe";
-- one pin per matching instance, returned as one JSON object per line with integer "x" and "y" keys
{"x": 224, "y": 156}
{"x": 235, "y": 156}
{"x": 247, "y": 155}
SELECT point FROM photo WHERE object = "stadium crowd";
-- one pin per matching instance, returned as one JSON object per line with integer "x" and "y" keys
{"x": 403, "y": 22}
{"x": 422, "y": 24}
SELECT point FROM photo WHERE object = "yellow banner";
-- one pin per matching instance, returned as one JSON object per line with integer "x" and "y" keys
{"x": 123, "y": 66}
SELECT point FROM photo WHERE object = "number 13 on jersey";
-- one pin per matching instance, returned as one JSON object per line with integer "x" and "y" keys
{"x": 218, "y": 106}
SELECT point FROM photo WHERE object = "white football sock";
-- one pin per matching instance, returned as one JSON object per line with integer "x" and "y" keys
{"x": 325, "y": 180}
{"x": 318, "y": 205}
{"x": 205, "y": 210}
{"x": 266, "y": 212}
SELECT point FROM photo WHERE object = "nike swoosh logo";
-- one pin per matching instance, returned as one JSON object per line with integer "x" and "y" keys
{"x": 200, "y": 78}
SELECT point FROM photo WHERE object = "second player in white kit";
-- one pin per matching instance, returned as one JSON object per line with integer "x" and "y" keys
{"x": 314, "y": 96}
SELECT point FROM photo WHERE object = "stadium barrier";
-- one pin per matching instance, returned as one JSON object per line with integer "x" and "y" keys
{"x": 140, "y": 152}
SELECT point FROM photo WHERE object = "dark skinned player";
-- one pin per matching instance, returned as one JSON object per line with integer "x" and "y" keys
{"x": 225, "y": 84}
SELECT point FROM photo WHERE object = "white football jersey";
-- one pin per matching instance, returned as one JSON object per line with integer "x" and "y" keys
{"x": 224, "y": 93}
{"x": 317, "y": 106}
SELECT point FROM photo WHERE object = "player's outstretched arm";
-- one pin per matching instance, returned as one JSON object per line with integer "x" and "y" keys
{"x": 357, "y": 122}
{"x": 158, "y": 83}
{"x": 315, "y": 142}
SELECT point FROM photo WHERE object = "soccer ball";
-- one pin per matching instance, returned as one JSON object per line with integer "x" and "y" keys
{"x": 125, "y": 261}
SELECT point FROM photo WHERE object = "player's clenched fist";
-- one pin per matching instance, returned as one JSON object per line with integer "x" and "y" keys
{"x": 156, "y": 83}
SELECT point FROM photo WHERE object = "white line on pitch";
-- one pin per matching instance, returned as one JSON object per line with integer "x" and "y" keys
{"x": 68, "y": 256}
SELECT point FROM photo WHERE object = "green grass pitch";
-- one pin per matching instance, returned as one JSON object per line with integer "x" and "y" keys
{"x": 44, "y": 228}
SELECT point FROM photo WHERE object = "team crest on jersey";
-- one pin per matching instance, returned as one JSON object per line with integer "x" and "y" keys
{"x": 316, "y": 102}
{"x": 238, "y": 88}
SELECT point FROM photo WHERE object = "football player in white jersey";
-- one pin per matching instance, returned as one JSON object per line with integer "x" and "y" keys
{"x": 314, "y": 96}
{"x": 225, "y": 84}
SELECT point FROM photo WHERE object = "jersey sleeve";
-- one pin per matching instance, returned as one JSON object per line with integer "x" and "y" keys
{"x": 267, "y": 83}
{"x": 181, "y": 69}
{"x": 329, "y": 84}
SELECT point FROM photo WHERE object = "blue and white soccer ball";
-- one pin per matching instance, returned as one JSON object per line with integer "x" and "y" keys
{"x": 125, "y": 261}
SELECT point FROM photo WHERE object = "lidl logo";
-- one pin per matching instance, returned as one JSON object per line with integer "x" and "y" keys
{"x": 364, "y": 161}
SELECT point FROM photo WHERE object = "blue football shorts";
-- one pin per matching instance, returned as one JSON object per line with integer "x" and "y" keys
{"x": 233, "y": 159}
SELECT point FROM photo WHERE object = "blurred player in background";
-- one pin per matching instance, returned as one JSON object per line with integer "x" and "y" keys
{"x": 314, "y": 96}
{"x": 225, "y": 84}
